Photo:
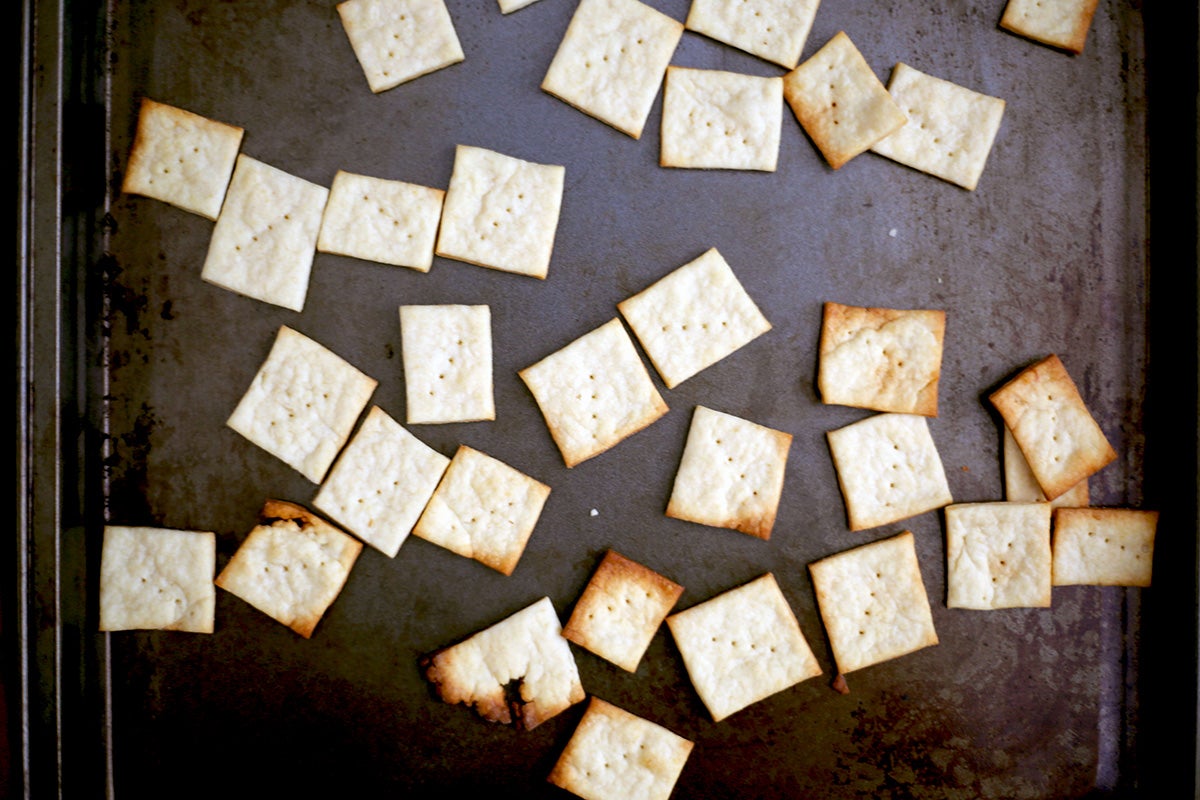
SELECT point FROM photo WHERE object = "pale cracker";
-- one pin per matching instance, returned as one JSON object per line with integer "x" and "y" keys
{"x": 774, "y": 30}
{"x": 1103, "y": 546}
{"x": 302, "y": 404}
{"x": 509, "y": 6}
{"x": 742, "y": 646}
{"x": 263, "y": 243}
{"x": 620, "y": 610}
{"x": 1059, "y": 23}
{"x": 842, "y": 106}
{"x": 391, "y": 222}
{"x": 950, "y": 128}
{"x": 998, "y": 555}
{"x": 720, "y": 120}
{"x": 1057, "y": 434}
{"x": 381, "y": 482}
{"x": 292, "y": 566}
{"x": 483, "y": 509}
{"x": 693, "y": 317}
{"x": 157, "y": 579}
{"x": 181, "y": 158}
{"x": 888, "y": 469}
{"x": 501, "y": 212}
{"x": 1021, "y": 486}
{"x": 880, "y": 358}
{"x": 447, "y": 352}
{"x": 398, "y": 40}
{"x": 594, "y": 392}
{"x": 616, "y": 755}
{"x": 873, "y": 602}
{"x": 731, "y": 473}
{"x": 527, "y": 647}
{"x": 611, "y": 61}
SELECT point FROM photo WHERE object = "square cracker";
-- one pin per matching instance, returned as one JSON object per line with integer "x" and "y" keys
{"x": 1103, "y": 546}
{"x": 1021, "y": 486}
{"x": 398, "y": 40}
{"x": 181, "y": 158}
{"x": 742, "y": 646}
{"x": 594, "y": 393}
{"x": 381, "y": 482}
{"x": 501, "y": 212}
{"x": 950, "y": 128}
{"x": 483, "y": 509}
{"x": 839, "y": 102}
{"x": 731, "y": 473}
{"x": 528, "y": 647}
{"x": 447, "y": 352}
{"x": 302, "y": 404}
{"x": 612, "y": 60}
{"x": 391, "y": 222}
{"x": 1059, "y": 23}
{"x": 157, "y": 579}
{"x": 998, "y": 555}
{"x": 693, "y": 317}
{"x": 881, "y": 358}
{"x": 888, "y": 468}
{"x": 1058, "y": 436}
{"x": 614, "y": 755}
{"x": 774, "y": 30}
{"x": 620, "y": 610}
{"x": 292, "y": 566}
{"x": 720, "y": 120}
{"x": 873, "y": 602}
{"x": 263, "y": 243}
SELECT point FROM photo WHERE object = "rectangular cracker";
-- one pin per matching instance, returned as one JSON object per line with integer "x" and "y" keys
{"x": 714, "y": 119}
{"x": 398, "y": 40}
{"x": 881, "y": 358}
{"x": 157, "y": 579}
{"x": 447, "y": 351}
{"x": 611, "y": 61}
{"x": 1104, "y": 546}
{"x": 391, "y": 222}
{"x": 998, "y": 555}
{"x": 1021, "y": 486}
{"x": 873, "y": 602}
{"x": 181, "y": 158}
{"x": 774, "y": 30}
{"x": 1059, "y": 23}
{"x": 693, "y": 317}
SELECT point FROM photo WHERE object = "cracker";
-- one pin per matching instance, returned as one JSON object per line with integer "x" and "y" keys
{"x": 1058, "y": 436}
{"x": 614, "y": 755}
{"x": 950, "y": 128}
{"x": 157, "y": 579}
{"x": 509, "y": 6}
{"x": 731, "y": 473}
{"x": 398, "y": 40}
{"x": 774, "y": 30}
{"x": 693, "y": 317}
{"x": 720, "y": 120}
{"x": 1022, "y": 487}
{"x": 873, "y": 602}
{"x": 742, "y": 646}
{"x": 998, "y": 555}
{"x": 447, "y": 353}
{"x": 501, "y": 212}
{"x": 1059, "y": 23}
{"x": 611, "y": 61}
{"x": 181, "y": 158}
{"x": 302, "y": 404}
{"x": 594, "y": 393}
{"x": 527, "y": 647}
{"x": 381, "y": 482}
{"x": 292, "y": 566}
{"x": 391, "y": 222}
{"x": 881, "y": 358}
{"x": 1103, "y": 546}
{"x": 888, "y": 469}
{"x": 263, "y": 243}
{"x": 839, "y": 102}
{"x": 620, "y": 610}
{"x": 483, "y": 509}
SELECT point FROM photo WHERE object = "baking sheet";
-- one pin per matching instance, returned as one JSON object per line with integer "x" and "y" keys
{"x": 1049, "y": 254}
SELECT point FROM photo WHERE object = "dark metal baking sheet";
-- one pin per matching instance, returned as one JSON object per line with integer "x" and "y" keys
{"x": 130, "y": 364}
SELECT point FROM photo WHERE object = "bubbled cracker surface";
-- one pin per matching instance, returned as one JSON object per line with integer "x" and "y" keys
{"x": 998, "y": 555}
{"x": 714, "y": 119}
{"x": 157, "y": 578}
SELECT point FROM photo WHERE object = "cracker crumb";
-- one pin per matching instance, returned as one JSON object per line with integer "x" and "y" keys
{"x": 594, "y": 513}
{"x": 892, "y": 233}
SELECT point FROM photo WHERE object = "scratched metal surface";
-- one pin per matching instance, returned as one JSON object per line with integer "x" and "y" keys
{"x": 1046, "y": 256}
